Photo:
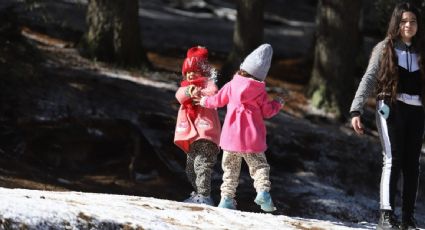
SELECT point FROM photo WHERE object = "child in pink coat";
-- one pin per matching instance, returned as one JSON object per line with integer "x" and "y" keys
{"x": 198, "y": 129}
{"x": 244, "y": 132}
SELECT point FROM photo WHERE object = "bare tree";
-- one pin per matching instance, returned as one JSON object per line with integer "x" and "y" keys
{"x": 113, "y": 33}
{"x": 331, "y": 86}
{"x": 247, "y": 35}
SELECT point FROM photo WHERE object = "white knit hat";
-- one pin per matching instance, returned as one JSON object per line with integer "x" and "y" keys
{"x": 257, "y": 63}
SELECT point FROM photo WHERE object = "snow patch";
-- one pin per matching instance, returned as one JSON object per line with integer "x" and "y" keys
{"x": 72, "y": 210}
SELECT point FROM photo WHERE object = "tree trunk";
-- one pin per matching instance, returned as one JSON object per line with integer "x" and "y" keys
{"x": 113, "y": 32}
{"x": 247, "y": 35}
{"x": 331, "y": 86}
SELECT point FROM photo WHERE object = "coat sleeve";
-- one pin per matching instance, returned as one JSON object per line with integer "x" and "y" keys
{"x": 269, "y": 108}
{"x": 218, "y": 100}
{"x": 181, "y": 95}
{"x": 369, "y": 80}
{"x": 210, "y": 89}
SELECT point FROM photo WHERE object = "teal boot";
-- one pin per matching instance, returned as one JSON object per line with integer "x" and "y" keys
{"x": 265, "y": 201}
{"x": 227, "y": 202}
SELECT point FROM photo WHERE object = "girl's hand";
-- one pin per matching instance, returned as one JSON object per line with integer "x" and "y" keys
{"x": 279, "y": 99}
{"x": 196, "y": 100}
{"x": 357, "y": 125}
{"x": 193, "y": 91}
{"x": 282, "y": 97}
{"x": 196, "y": 92}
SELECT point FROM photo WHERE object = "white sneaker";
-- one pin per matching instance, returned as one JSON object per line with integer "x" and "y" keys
{"x": 199, "y": 199}
{"x": 190, "y": 199}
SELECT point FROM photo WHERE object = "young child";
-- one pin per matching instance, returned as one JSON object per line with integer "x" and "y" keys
{"x": 198, "y": 129}
{"x": 244, "y": 132}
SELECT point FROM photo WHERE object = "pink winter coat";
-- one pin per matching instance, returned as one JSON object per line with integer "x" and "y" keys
{"x": 247, "y": 106}
{"x": 206, "y": 125}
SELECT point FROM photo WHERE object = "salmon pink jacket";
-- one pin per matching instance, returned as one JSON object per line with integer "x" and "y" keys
{"x": 206, "y": 124}
{"x": 247, "y": 105}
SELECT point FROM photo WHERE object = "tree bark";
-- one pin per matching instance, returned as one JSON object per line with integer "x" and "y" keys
{"x": 247, "y": 35}
{"x": 331, "y": 86}
{"x": 113, "y": 33}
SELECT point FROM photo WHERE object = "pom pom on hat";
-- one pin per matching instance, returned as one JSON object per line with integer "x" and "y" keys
{"x": 257, "y": 63}
{"x": 196, "y": 60}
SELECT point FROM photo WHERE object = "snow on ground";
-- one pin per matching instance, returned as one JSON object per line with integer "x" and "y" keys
{"x": 34, "y": 209}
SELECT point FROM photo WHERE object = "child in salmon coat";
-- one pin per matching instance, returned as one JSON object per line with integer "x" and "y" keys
{"x": 198, "y": 129}
{"x": 244, "y": 132}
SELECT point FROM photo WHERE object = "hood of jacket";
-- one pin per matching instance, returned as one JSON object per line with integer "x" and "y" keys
{"x": 245, "y": 89}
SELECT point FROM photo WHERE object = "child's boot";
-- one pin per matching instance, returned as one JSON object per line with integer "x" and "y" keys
{"x": 199, "y": 199}
{"x": 227, "y": 202}
{"x": 190, "y": 199}
{"x": 265, "y": 201}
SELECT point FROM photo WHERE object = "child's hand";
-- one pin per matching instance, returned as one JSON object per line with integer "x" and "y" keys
{"x": 282, "y": 97}
{"x": 196, "y": 92}
{"x": 279, "y": 99}
{"x": 193, "y": 91}
{"x": 196, "y": 100}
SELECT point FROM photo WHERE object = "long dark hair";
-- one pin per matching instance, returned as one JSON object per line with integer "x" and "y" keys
{"x": 388, "y": 72}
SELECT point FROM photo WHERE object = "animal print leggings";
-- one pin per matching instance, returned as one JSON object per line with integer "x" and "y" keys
{"x": 200, "y": 162}
{"x": 259, "y": 170}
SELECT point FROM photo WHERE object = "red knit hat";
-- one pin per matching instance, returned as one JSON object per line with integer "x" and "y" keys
{"x": 196, "y": 60}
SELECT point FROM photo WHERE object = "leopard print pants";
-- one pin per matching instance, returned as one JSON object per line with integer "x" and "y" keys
{"x": 200, "y": 162}
{"x": 259, "y": 170}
